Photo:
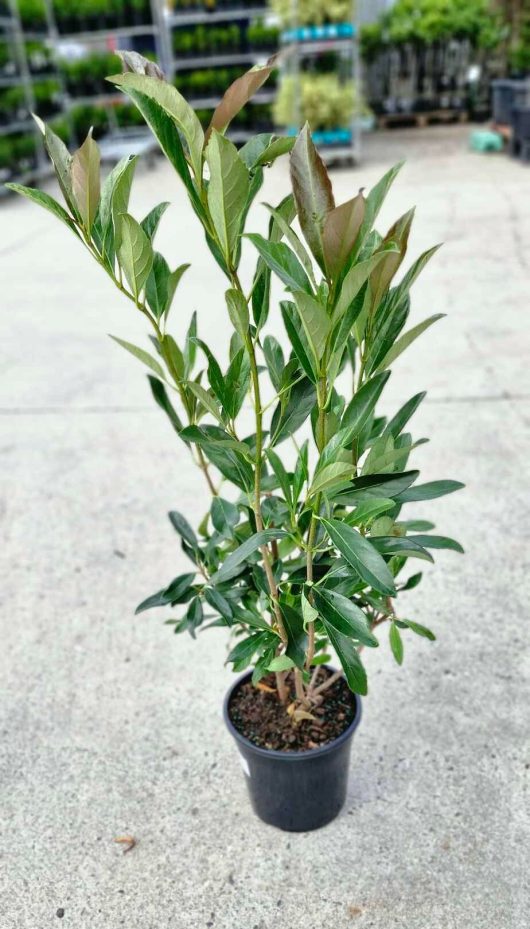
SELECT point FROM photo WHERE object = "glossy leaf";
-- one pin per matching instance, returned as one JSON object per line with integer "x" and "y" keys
{"x": 437, "y": 542}
{"x": 312, "y": 192}
{"x": 361, "y": 555}
{"x": 429, "y": 491}
{"x": 420, "y": 630}
{"x": 135, "y": 254}
{"x": 363, "y": 403}
{"x": 142, "y": 355}
{"x": 161, "y": 397}
{"x": 85, "y": 180}
{"x": 396, "y": 643}
{"x": 280, "y": 259}
{"x": 238, "y": 95}
{"x": 43, "y": 199}
{"x": 174, "y": 105}
{"x": 315, "y": 321}
{"x": 296, "y": 634}
{"x": 227, "y": 191}
{"x": 286, "y": 421}
{"x": 151, "y": 222}
{"x": 405, "y": 340}
{"x": 231, "y": 565}
{"x": 238, "y": 313}
{"x": 357, "y": 277}
{"x": 331, "y": 475}
{"x": 343, "y": 615}
{"x": 349, "y": 658}
{"x": 341, "y": 228}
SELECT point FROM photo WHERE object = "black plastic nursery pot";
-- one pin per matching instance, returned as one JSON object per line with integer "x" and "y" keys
{"x": 295, "y": 791}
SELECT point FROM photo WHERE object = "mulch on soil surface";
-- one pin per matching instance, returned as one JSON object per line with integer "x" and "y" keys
{"x": 260, "y": 717}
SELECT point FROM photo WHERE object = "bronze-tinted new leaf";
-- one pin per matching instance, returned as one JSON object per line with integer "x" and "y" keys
{"x": 86, "y": 181}
{"x": 341, "y": 228}
{"x": 312, "y": 192}
{"x": 238, "y": 94}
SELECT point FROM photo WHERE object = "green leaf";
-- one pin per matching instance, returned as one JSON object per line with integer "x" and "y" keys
{"x": 400, "y": 420}
{"x": 420, "y": 630}
{"x": 286, "y": 421}
{"x": 238, "y": 313}
{"x": 173, "y": 593}
{"x": 298, "y": 339}
{"x": 227, "y": 191}
{"x": 213, "y": 435}
{"x": 43, "y": 199}
{"x": 61, "y": 160}
{"x": 363, "y": 403}
{"x": 396, "y": 643}
{"x": 413, "y": 581}
{"x": 361, "y": 555}
{"x": 315, "y": 321}
{"x": 365, "y": 512}
{"x": 174, "y": 105}
{"x": 437, "y": 541}
{"x": 182, "y": 526}
{"x": 135, "y": 253}
{"x": 429, "y": 491}
{"x": 406, "y": 283}
{"x": 156, "y": 287}
{"x": 281, "y": 474}
{"x": 205, "y": 397}
{"x": 277, "y": 147}
{"x": 160, "y": 395}
{"x": 350, "y": 661}
{"x": 151, "y": 222}
{"x": 119, "y": 197}
{"x": 243, "y": 652}
{"x": 293, "y": 240}
{"x": 275, "y": 360}
{"x": 356, "y": 278}
{"x": 341, "y": 228}
{"x": 85, "y": 180}
{"x": 281, "y": 663}
{"x": 237, "y": 95}
{"x": 105, "y": 227}
{"x": 406, "y": 547}
{"x": 280, "y": 259}
{"x": 312, "y": 192}
{"x": 142, "y": 355}
{"x": 343, "y": 616}
{"x": 372, "y": 486}
{"x": 331, "y": 475}
{"x": 296, "y": 635}
{"x": 225, "y": 515}
{"x": 309, "y": 614}
{"x": 230, "y": 567}
{"x": 376, "y": 197}
{"x": 405, "y": 340}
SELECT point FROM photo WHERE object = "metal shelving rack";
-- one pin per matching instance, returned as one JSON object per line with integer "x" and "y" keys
{"x": 243, "y": 15}
{"x": 299, "y": 44}
{"x": 118, "y": 141}
{"x": 11, "y": 33}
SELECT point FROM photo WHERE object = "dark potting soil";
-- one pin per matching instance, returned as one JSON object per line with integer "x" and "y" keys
{"x": 258, "y": 715}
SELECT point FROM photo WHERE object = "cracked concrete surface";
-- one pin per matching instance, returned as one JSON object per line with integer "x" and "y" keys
{"x": 111, "y": 726}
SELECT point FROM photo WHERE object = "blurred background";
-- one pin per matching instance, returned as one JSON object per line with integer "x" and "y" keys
{"x": 346, "y": 68}
{"x": 110, "y": 724}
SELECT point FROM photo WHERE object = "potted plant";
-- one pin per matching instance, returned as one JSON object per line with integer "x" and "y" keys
{"x": 302, "y": 550}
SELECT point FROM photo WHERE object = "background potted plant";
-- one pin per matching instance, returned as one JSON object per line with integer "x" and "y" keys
{"x": 302, "y": 553}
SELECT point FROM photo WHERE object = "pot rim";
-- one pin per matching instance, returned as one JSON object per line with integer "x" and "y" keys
{"x": 288, "y": 756}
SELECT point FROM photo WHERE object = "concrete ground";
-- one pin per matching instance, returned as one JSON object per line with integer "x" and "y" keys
{"x": 111, "y": 726}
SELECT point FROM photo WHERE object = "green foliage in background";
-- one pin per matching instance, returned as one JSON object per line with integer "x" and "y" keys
{"x": 303, "y": 544}
{"x": 313, "y": 12}
{"x": 324, "y": 101}
{"x": 430, "y": 21}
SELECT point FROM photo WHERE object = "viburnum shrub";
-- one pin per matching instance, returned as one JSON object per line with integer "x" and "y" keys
{"x": 306, "y": 552}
